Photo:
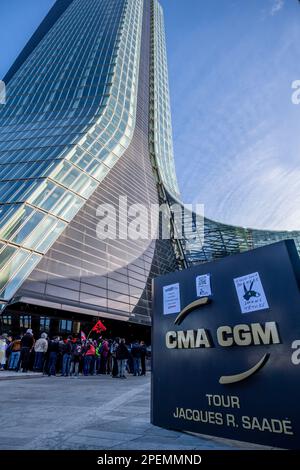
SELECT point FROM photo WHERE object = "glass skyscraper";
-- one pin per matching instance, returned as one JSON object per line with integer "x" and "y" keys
{"x": 87, "y": 119}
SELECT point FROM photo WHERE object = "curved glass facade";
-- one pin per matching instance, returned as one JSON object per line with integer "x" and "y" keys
{"x": 213, "y": 240}
{"x": 69, "y": 118}
{"x": 161, "y": 143}
{"x": 79, "y": 272}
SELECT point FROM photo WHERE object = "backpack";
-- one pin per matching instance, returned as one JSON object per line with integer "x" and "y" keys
{"x": 77, "y": 350}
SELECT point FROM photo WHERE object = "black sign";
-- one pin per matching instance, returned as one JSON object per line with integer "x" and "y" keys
{"x": 226, "y": 348}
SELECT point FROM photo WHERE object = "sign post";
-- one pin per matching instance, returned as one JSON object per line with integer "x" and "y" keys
{"x": 228, "y": 364}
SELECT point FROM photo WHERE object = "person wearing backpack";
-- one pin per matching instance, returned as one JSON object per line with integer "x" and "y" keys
{"x": 76, "y": 356}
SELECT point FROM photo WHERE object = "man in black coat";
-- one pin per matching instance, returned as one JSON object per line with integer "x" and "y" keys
{"x": 136, "y": 355}
{"x": 27, "y": 343}
{"x": 122, "y": 355}
{"x": 53, "y": 349}
{"x": 143, "y": 357}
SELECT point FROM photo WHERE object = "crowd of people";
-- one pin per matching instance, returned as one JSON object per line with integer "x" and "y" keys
{"x": 72, "y": 356}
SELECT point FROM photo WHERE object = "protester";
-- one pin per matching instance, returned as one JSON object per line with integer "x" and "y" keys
{"x": 136, "y": 355}
{"x": 109, "y": 363}
{"x": 98, "y": 361}
{"x": 40, "y": 349}
{"x": 104, "y": 356}
{"x": 66, "y": 359}
{"x": 89, "y": 355}
{"x": 27, "y": 343}
{"x": 15, "y": 348}
{"x": 9, "y": 341}
{"x": 94, "y": 362}
{"x": 72, "y": 356}
{"x": 53, "y": 348}
{"x": 76, "y": 355}
{"x": 122, "y": 355}
{"x": 3, "y": 347}
{"x": 61, "y": 350}
{"x": 129, "y": 365}
{"x": 113, "y": 351}
{"x": 143, "y": 349}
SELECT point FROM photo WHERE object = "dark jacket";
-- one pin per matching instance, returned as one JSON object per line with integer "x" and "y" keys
{"x": 136, "y": 350}
{"x": 27, "y": 341}
{"x": 67, "y": 349}
{"x": 53, "y": 346}
{"x": 143, "y": 349}
{"x": 122, "y": 352}
{"x": 105, "y": 349}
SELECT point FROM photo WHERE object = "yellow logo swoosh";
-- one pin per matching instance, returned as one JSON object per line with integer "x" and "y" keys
{"x": 230, "y": 379}
{"x": 189, "y": 308}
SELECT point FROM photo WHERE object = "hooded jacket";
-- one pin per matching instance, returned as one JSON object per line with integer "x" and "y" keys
{"x": 41, "y": 345}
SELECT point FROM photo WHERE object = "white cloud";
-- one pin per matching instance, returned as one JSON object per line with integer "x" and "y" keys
{"x": 237, "y": 140}
{"x": 241, "y": 137}
{"x": 277, "y": 6}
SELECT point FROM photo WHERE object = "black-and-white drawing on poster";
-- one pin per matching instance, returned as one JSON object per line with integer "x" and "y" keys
{"x": 251, "y": 293}
{"x": 203, "y": 285}
{"x": 171, "y": 295}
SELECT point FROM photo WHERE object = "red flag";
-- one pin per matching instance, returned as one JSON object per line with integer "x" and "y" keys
{"x": 82, "y": 335}
{"x": 99, "y": 327}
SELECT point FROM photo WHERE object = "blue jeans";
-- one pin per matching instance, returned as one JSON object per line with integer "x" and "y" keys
{"x": 87, "y": 364}
{"x": 66, "y": 364}
{"x": 38, "y": 361}
{"x": 74, "y": 368}
{"x": 121, "y": 367}
{"x": 136, "y": 366}
{"x": 52, "y": 363}
{"x": 98, "y": 365}
{"x": 14, "y": 359}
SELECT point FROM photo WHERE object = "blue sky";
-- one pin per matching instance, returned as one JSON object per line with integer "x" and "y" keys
{"x": 236, "y": 130}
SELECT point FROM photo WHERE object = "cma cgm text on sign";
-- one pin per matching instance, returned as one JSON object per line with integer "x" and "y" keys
{"x": 226, "y": 348}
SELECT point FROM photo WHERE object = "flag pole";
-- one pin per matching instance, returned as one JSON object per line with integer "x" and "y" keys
{"x": 89, "y": 334}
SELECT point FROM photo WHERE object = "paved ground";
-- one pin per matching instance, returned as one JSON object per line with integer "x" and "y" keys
{"x": 88, "y": 413}
{"x": 10, "y": 375}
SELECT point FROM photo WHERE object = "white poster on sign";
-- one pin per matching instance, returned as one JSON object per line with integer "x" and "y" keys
{"x": 203, "y": 286}
{"x": 250, "y": 293}
{"x": 171, "y": 299}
